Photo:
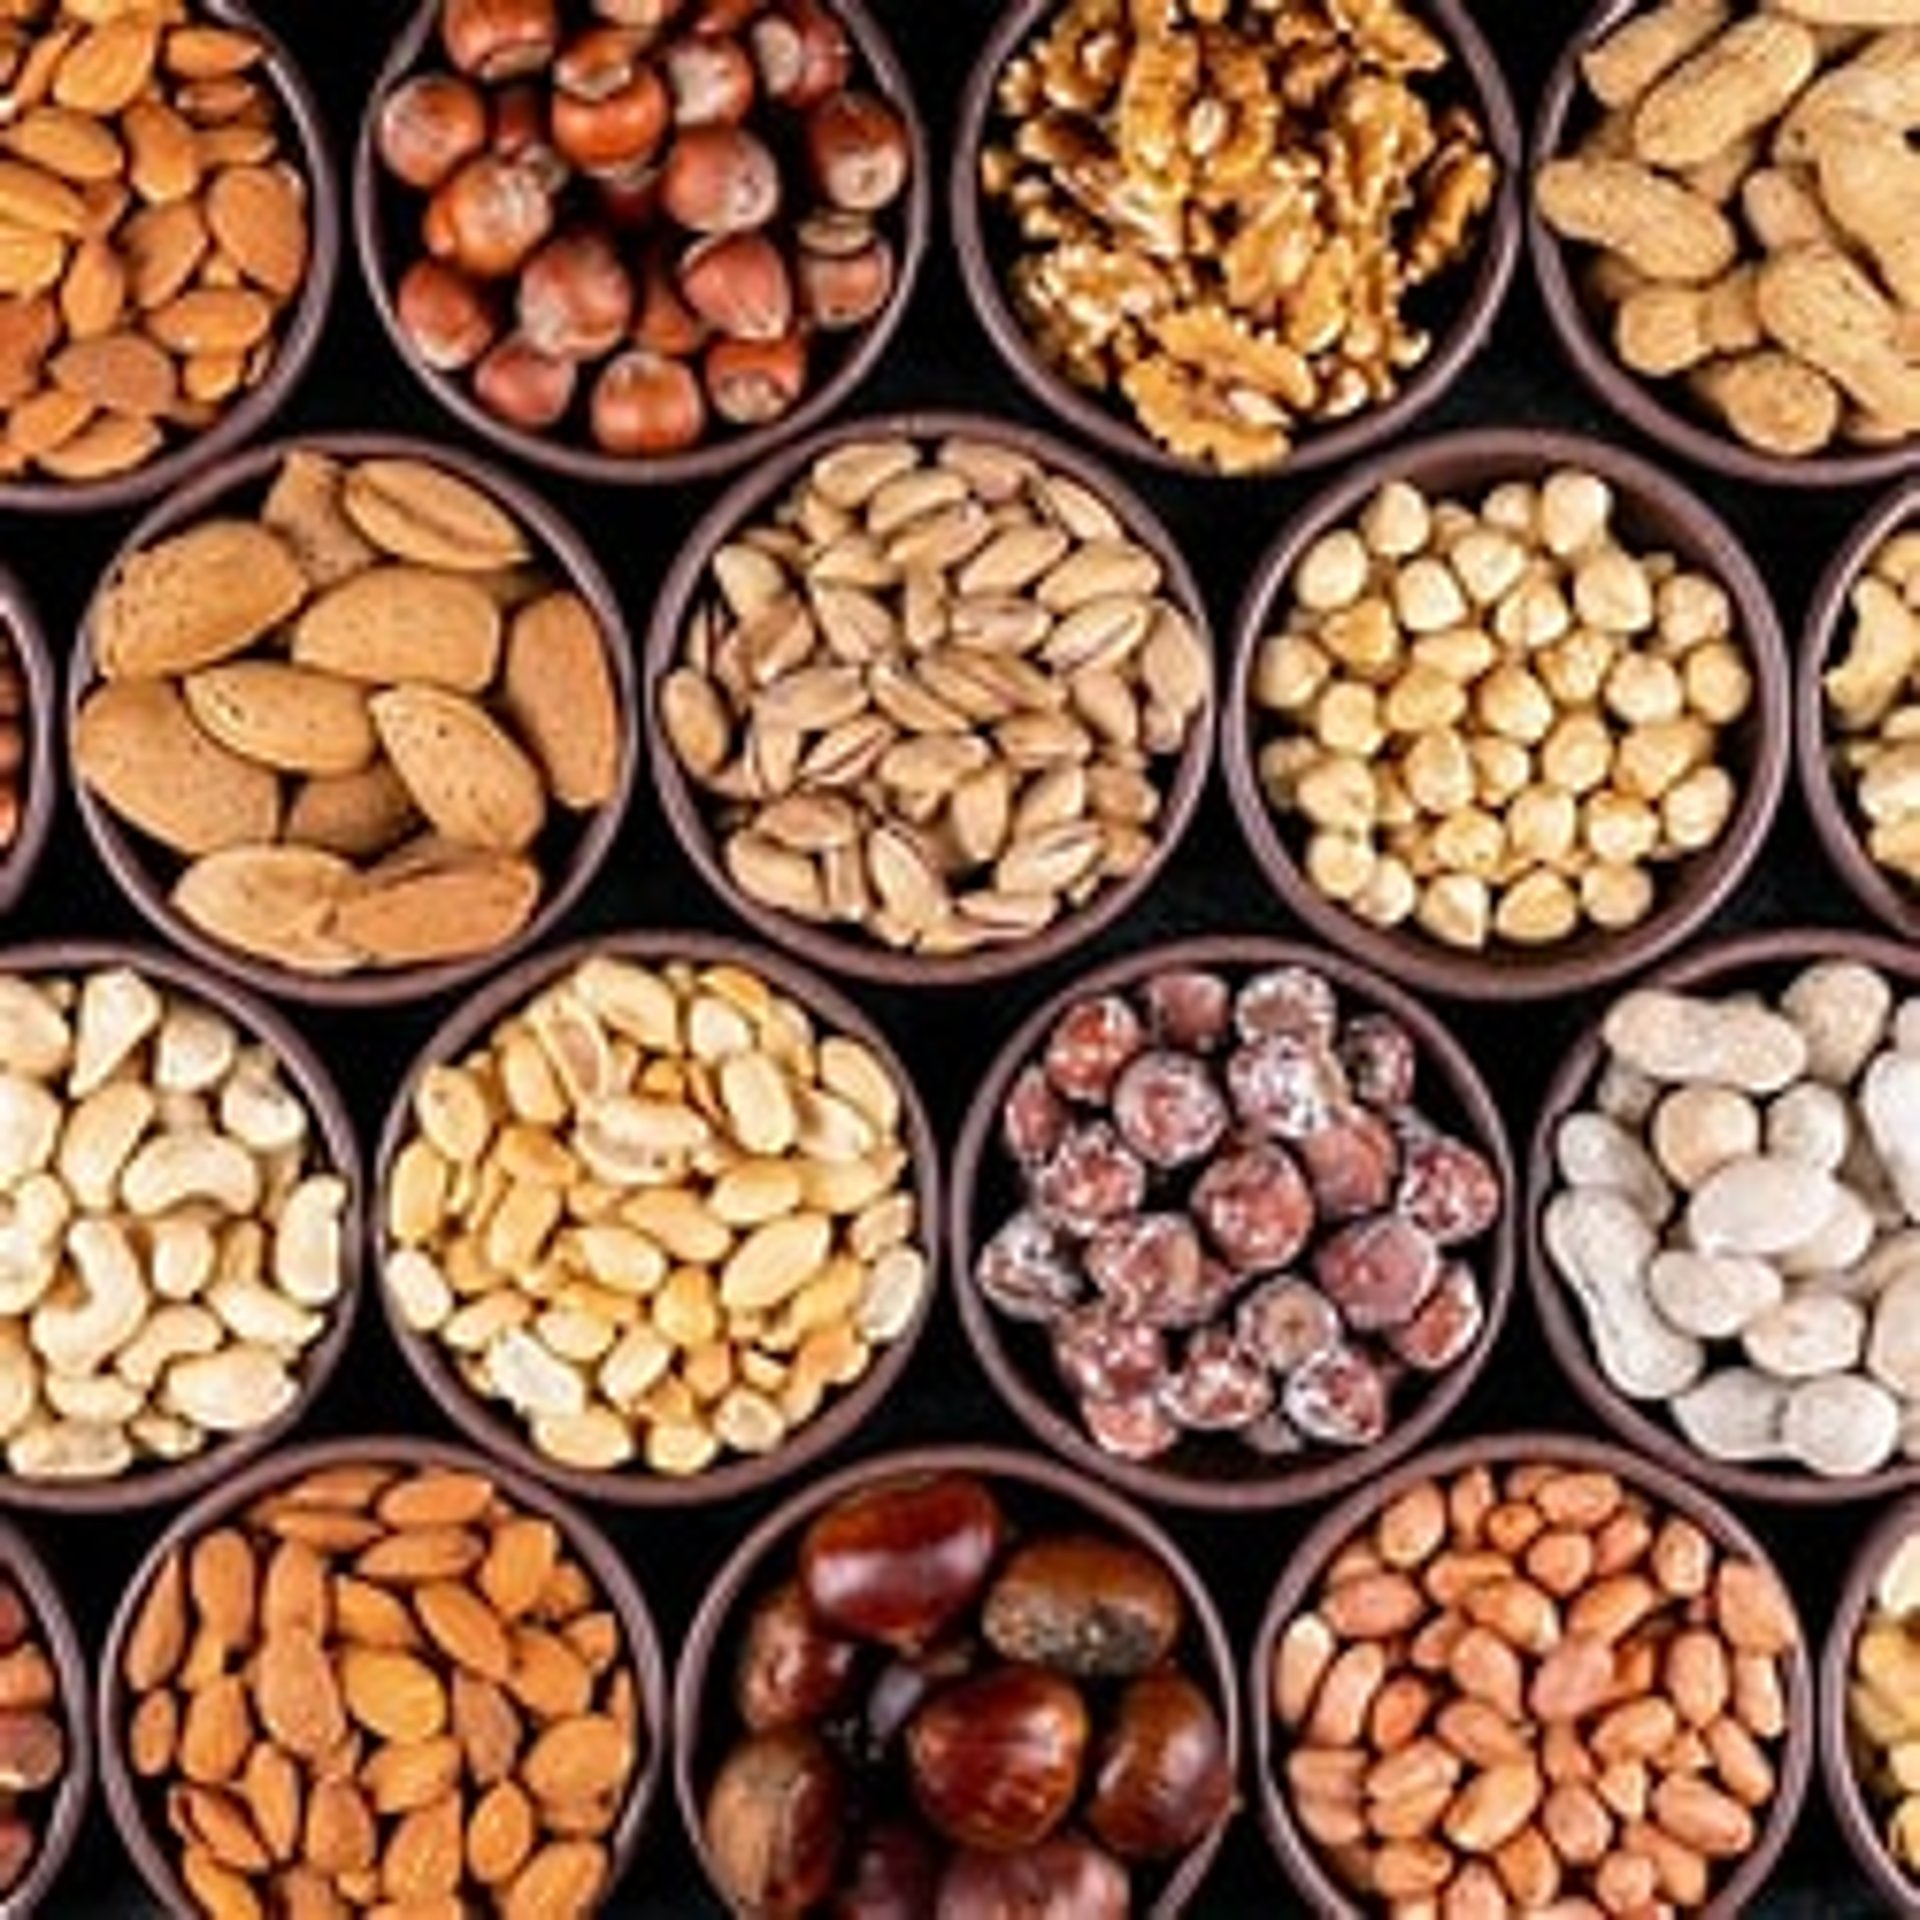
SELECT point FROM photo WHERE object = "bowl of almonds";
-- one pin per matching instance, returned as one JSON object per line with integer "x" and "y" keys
{"x": 1508, "y": 713}
{"x": 382, "y": 1670}
{"x": 29, "y": 782}
{"x": 169, "y": 237}
{"x": 1524, "y": 1670}
{"x": 657, "y": 1217}
{"x": 352, "y": 718}
{"x": 1242, "y": 235}
{"x": 933, "y": 695}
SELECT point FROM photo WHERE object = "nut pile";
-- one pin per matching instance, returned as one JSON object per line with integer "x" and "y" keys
{"x": 941, "y": 1713}
{"x": 1737, "y": 1216}
{"x": 645, "y": 222}
{"x": 1869, "y": 692}
{"x": 1746, "y": 192}
{"x": 1883, "y": 1702}
{"x": 384, "y": 1689}
{"x": 1498, "y": 721}
{"x": 1531, "y": 1688}
{"x": 1234, "y": 1218}
{"x": 171, "y": 1224}
{"x": 153, "y": 230}
{"x": 364, "y": 717}
{"x": 657, "y": 1212}
{"x": 933, "y": 696}
{"x": 34, "y": 1723}
{"x": 1236, "y": 215}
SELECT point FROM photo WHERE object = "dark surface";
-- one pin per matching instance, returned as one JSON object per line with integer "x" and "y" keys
{"x": 941, "y": 358}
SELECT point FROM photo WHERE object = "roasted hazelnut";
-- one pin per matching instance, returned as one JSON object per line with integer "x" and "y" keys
{"x": 495, "y": 212}
{"x": 427, "y": 126}
{"x": 774, "y": 1820}
{"x": 645, "y": 403}
{"x": 790, "y": 1669}
{"x": 519, "y": 384}
{"x": 800, "y": 51}
{"x": 496, "y": 39}
{"x": 739, "y": 285}
{"x": 753, "y": 381}
{"x": 710, "y": 79}
{"x": 575, "y": 298}
{"x": 1065, "y": 1878}
{"x": 892, "y": 1876}
{"x": 610, "y": 108}
{"x": 447, "y": 318}
{"x": 842, "y": 275}
{"x": 899, "y": 1561}
{"x": 857, "y": 149}
{"x": 664, "y": 322}
{"x": 720, "y": 179}
{"x": 1083, "y": 1605}
{"x": 1161, "y": 1779}
{"x": 994, "y": 1761}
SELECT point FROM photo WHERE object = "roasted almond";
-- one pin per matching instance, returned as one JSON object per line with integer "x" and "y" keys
{"x": 395, "y": 1696}
{"x": 41, "y": 202}
{"x": 76, "y": 146}
{"x": 108, "y": 66}
{"x": 297, "y": 1696}
{"x": 163, "y": 155}
{"x": 124, "y": 372}
{"x": 465, "y": 1628}
{"x": 405, "y": 1774}
{"x": 578, "y": 1759}
{"x": 209, "y": 319}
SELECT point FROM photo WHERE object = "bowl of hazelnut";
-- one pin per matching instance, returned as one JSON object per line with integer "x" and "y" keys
{"x": 1183, "y": 244}
{"x": 957, "y": 1680}
{"x": 1508, "y": 713}
{"x": 1233, "y": 1223}
{"x": 640, "y": 240}
{"x": 1716, "y": 241}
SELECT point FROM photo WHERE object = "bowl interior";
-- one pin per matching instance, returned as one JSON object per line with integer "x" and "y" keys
{"x": 1202, "y": 1471}
{"x": 1652, "y": 513}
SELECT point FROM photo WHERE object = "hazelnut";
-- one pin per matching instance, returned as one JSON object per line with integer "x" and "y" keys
{"x": 497, "y": 39}
{"x": 446, "y": 317}
{"x": 754, "y": 381}
{"x": 857, "y": 149}
{"x": 738, "y": 283}
{"x": 575, "y": 298}
{"x": 843, "y": 274}
{"x": 720, "y": 180}
{"x": 646, "y": 403}
{"x": 710, "y": 79}
{"x": 664, "y": 322}
{"x": 495, "y": 212}
{"x": 800, "y": 51}
{"x": 522, "y": 385}
{"x": 610, "y": 108}
{"x": 427, "y": 126}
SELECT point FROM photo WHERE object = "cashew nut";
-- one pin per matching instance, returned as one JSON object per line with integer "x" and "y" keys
{"x": 165, "y": 1435}
{"x": 260, "y": 1111}
{"x": 180, "y": 1256}
{"x": 172, "y": 1169}
{"x": 232, "y": 1391}
{"x": 100, "y": 1135}
{"x": 307, "y": 1240}
{"x": 29, "y": 1127}
{"x": 68, "y": 1450}
{"x": 35, "y": 1038}
{"x": 118, "y": 1009}
{"x": 173, "y": 1331}
{"x": 96, "y": 1399}
{"x": 79, "y": 1336}
{"x": 194, "y": 1049}
{"x": 32, "y": 1220}
{"x": 257, "y": 1313}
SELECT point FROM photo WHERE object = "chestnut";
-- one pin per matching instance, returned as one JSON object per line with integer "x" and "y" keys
{"x": 857, "y": 148}
{"x": 724, "y": 16}
{"x": 753, "y": 381}
{"x": 1065, "y": 1878}
{"x": 800, "y": 52}
{"x": 575, "y": 298}
{"x": 1160, "y": 1779}
{"x": 720, "y": 179}
{"x": 738, "y": 284}
{"x": 1083, "y": 1605}
{"x": 843, "y": 272}
{"x": 897, "y": 1561}
{"x": 994, "y": 1761}
{"x": 790, "y": 1670}
{"x": 495, "y": 212}
{"x": 773, "y": 1823}
{"x": 710, "y": 79}
{"x": 427, "y": 125}
{"x": 891, "y": 1877}
{"x": 645, "y": 403}
{"x": 664, "y": 322}
{"x": 645, "y": 17}
{"x": 497, "y": 39}
{"x": 447, "y": 318}
{"x": 610, "y": 108}
{"x": 523, "y": 386}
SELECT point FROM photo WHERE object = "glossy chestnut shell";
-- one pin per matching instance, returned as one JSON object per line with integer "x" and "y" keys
{"x": 774, "y": 1823}
{"x": 791, "y": 1671}
{"x": 1161, "y": 1777}
{"x": 1064, "y": 1876}
{"x": 1082, "y": 1605}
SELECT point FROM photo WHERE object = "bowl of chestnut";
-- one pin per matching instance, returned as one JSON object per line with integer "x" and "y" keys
{"x": 957, "y": 1681}
{"x": 640, "y": 240}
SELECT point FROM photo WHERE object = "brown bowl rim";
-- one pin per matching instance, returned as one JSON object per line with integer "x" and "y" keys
{"x": 141, "y": 1488}
{"x": 574, "y": 565}
{"x": 618, "y": 1588}
{"x": 498, "y": 1434}
{"x": 1715, "y": 963}
{"x": 1686, "y": 523}
{"x": 711, "y": 458}
{"x": 1476, "y": 306}
{"x": 175, "y": 467}
{"x": 848, "y": 954}
{"x": 1629, "y": 396}
{"x": 1308, "y": 1560}
{"x": 1279, "y": 1486}
{"x": 693, "y": 1725}
{"x": 21, "y": 861}
{"x": 1877, "y": 888}
{"x": 53, "y": 1625}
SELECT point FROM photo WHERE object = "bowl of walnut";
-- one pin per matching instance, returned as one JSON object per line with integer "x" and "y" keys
{"x": 1262, "y": 234}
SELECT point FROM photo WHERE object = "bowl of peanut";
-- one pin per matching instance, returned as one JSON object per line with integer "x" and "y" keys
{"x": 1526, "y": 1669}
{"x": 1508, "y": 713}
{"x": 1260, "y": 235}
{"x": 656, "y": 1217}
{"x": 1718, "y": 219}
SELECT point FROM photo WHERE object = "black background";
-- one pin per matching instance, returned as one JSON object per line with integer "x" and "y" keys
{"x": 939, "y": 358}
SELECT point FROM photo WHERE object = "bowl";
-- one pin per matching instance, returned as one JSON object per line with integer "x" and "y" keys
{"x": 381, "y": 209}
{"x": 573, "y": 844}
{"x": 498, "y": 1429}
{"x": 1658, "y": 513}
{"x": 1298, "y": 1854}
{"x": 333, "y": 1135}
{"x": 304, "y": 316}
{"x": 141, "y": 1824}
{"x": 1461, "y": 316}
{"x": 1762, "y": 960}
{"x": 38, "y": 767}
{"x": 1652, "y": 408}
{"x": 1003, "y": 936}
{"x": 1029, "y": 1488}
{"x": 1199, "y": 1472}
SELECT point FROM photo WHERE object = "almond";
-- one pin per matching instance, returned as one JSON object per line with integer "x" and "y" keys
{"x": 258, "y": 214}
{"x": 107, "y": 444}
{"x": 124, "y": 372}
{"x": 561, "y": 697}
{"x": 520, "y": 1558}
{"x": 40, "y": 201}
{"x": 216, "y": 1732}
{"x": 108, "y": 66}
{"x": 219, "y": 1892}
{"x": 296, "y": 1694}
{"x": 436, "y": 1497}
{"x": 270, "y": 1786}
{"x": 419, "y": 1554}
{"x": 487, "y": 1725}
{"x": 464, "y": 1628}
{"x": 409, "y": 910}
{"x": 222, "y": 1826}
{"x": 163, "y": 156}
{"x": 356, "y": 815}
{"x": 201, "y": 52}
{"x": 564, "y": 1878}
{"x": 408, "y": 1774}
{"x": 580, "y": 1758}
{"x": 94, "y": 292}
{"x": 193, "y": 599}
{"x": 371, "y": 1615}
{"x": 208, "y": 319}
{"x": 73, "y": 145}
{"x": 500, "y": 1833}
{"x": 303, "y": 507}
{"x": 402, "y": 623}
{"x": 285, "y": 717}
{"x": 28, "y": 330}
{"x": 422, "y": 513}
{"x": 153, "y": 1735}
{"x": 162, "y": 247}
{"x": 548, "y": 1677}
{"x": 425, "y": 1853}
{"x": 295, "y": 1591}
{"x": 280, "y": 903}
{"x": 469, "y": 778}
{"x": 30, "y": 262}
{"x": 393, "y": 1695}
{"x": 341, "y": 1836}
{"x": 158, "y": 1640}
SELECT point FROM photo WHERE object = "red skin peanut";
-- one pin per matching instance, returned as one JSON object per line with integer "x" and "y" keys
{"x": 1293, "y": 1000}
{"x": 1377, "y": 1271}
{"x": 1169, "y": 1108}
{"x": 1254, "y": 1207}
{"x": 1089, "y": 1045}
{"x": 1091, "y": 1177}
{"x": 1338, "y": 1397}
